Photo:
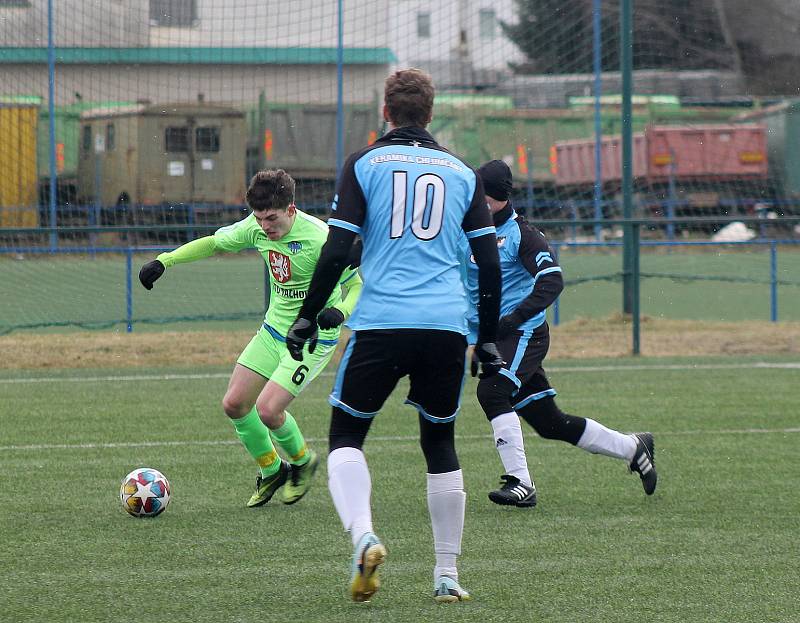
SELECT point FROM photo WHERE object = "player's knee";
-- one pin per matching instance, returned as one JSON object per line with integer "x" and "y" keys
{"x": 494, "y": 395}
{"x": 269, "y": 414}
{"x": 234, "y": 407}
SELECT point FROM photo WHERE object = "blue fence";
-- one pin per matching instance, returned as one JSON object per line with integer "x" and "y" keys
{"x": 91, "y": 259}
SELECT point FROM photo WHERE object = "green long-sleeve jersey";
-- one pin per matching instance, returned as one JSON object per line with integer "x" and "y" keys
{"x": 291, "y": 261}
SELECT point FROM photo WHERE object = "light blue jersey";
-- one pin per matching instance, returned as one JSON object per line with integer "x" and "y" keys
{"x": 410, "y": 201}
{"x": 525, "y": 257}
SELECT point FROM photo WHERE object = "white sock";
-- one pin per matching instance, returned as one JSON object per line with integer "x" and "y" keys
{"x": 511, "y": 447}
{"x": 598, "y": 439}
{"x": 351, "y": 487}
{"x": 446, "y": 503}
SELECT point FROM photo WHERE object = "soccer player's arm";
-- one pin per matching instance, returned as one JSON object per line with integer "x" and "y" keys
{"x": 481, "y": 234}
{"x": 335, "y": 315}
{"x": 189, "y": 252}
{"x": 540, "y": 261}
{"x": 234, "y": 238}
{"x": 347, "y": 216}
{"x": 353, "y": 284}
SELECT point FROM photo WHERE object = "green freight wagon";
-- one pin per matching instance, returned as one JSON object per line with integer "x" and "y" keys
{"x": 162, "y": 154}
{"x": 783, "y": 144}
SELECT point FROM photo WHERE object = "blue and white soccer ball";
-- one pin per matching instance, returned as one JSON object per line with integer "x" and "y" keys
{"x": 144, "y": 492}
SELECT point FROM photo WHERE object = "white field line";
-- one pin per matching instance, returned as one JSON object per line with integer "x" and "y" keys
{"x": 380, "y": 439}
{"x": 172, "y": 377}
{"x": 561, "y": 370}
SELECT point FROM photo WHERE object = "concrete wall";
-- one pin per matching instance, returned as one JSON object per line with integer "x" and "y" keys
{"x": 233, "y": 84}
{"x": 299, "y": 23}
{"x": 457, "y": 53}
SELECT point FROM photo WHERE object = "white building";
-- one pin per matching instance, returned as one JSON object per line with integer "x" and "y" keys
{"x": 229, "y": 51}
{"x": 178, "y": 50}
{"x": 460, "y": 42}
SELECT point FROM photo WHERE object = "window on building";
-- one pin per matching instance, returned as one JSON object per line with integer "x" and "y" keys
{"x": 488, "y": 23}
{"x": 179, "y": 13}
{"x": 207, "y": 139}
{"x": 110, "y": 137}
{"x": 177, "y": 139}
{"x": 424, "y": 25}
{"x": 87, "y": 138}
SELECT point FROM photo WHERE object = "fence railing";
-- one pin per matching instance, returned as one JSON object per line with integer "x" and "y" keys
{"x": 89, "y": 279}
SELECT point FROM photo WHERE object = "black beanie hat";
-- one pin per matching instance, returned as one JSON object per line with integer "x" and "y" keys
{"x": 496, "y": 177}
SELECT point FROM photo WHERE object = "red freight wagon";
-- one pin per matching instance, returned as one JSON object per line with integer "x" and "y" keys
{"x": 701, "y": 152}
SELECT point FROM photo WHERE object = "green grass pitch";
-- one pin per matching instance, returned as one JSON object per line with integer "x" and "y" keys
{"x": 717, "y": 542}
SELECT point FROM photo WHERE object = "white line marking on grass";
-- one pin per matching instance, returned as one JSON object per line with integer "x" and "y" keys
{"x": 131, "y": 377}
{"x": 376, "y": 438}
{"x": 224, "y": 375}
{"x": 701, "y": 366}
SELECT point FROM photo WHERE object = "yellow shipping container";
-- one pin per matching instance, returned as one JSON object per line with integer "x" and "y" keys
{"x": 18, "y": 203}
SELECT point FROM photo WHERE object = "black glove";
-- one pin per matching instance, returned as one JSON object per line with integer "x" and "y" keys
{"x": 150, "y": 272}
{"x": 330, "y": 318}
{"x": 354, "y": 257}
{"x": 301, "y": 331}
{"x": 490, "y": 359}
{"x": 507, "y": 325}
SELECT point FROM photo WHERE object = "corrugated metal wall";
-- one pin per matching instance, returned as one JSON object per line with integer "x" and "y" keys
{"x": 18, "y": 166}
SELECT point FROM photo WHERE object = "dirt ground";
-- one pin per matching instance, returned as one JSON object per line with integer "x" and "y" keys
{"x": 581, "y": 339}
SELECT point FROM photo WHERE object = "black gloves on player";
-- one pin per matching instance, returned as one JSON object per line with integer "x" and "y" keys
{"x": 150, "y": 272}
{"x": 330, "y": 318}
{"x": 300, "y": 332}
{"x": 489, "y": 358}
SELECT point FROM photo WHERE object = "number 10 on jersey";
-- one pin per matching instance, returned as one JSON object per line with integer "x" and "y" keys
{"x": 427, "y": 208}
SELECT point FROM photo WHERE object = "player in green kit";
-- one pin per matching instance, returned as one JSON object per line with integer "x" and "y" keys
{"x": 266, "y": 379}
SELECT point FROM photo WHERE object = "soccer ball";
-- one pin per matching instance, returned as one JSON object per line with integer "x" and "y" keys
{"x": 144, "y": 492}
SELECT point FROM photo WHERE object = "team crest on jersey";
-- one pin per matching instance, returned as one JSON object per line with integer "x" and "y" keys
{"x": 295, "y": 247}
{"x": 501, "y": 240}
{"x": 281, "y": 266}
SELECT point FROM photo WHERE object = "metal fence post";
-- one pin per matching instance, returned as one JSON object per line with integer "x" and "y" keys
{"x": 635, "y": 284}
{"x": 339, "y": 88}
{"x": 557, "y": 303}
{"x": 51, "y": 88}
{"x": 529, "y": 183}
{"x": 773, "y": 281}
{"x": 672, "y": 197}
{"x": 626, "y": 62}
{"x": 129, "y": 289}
{"x": 597, "y": 196}
{"x": 190, "y": 220}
